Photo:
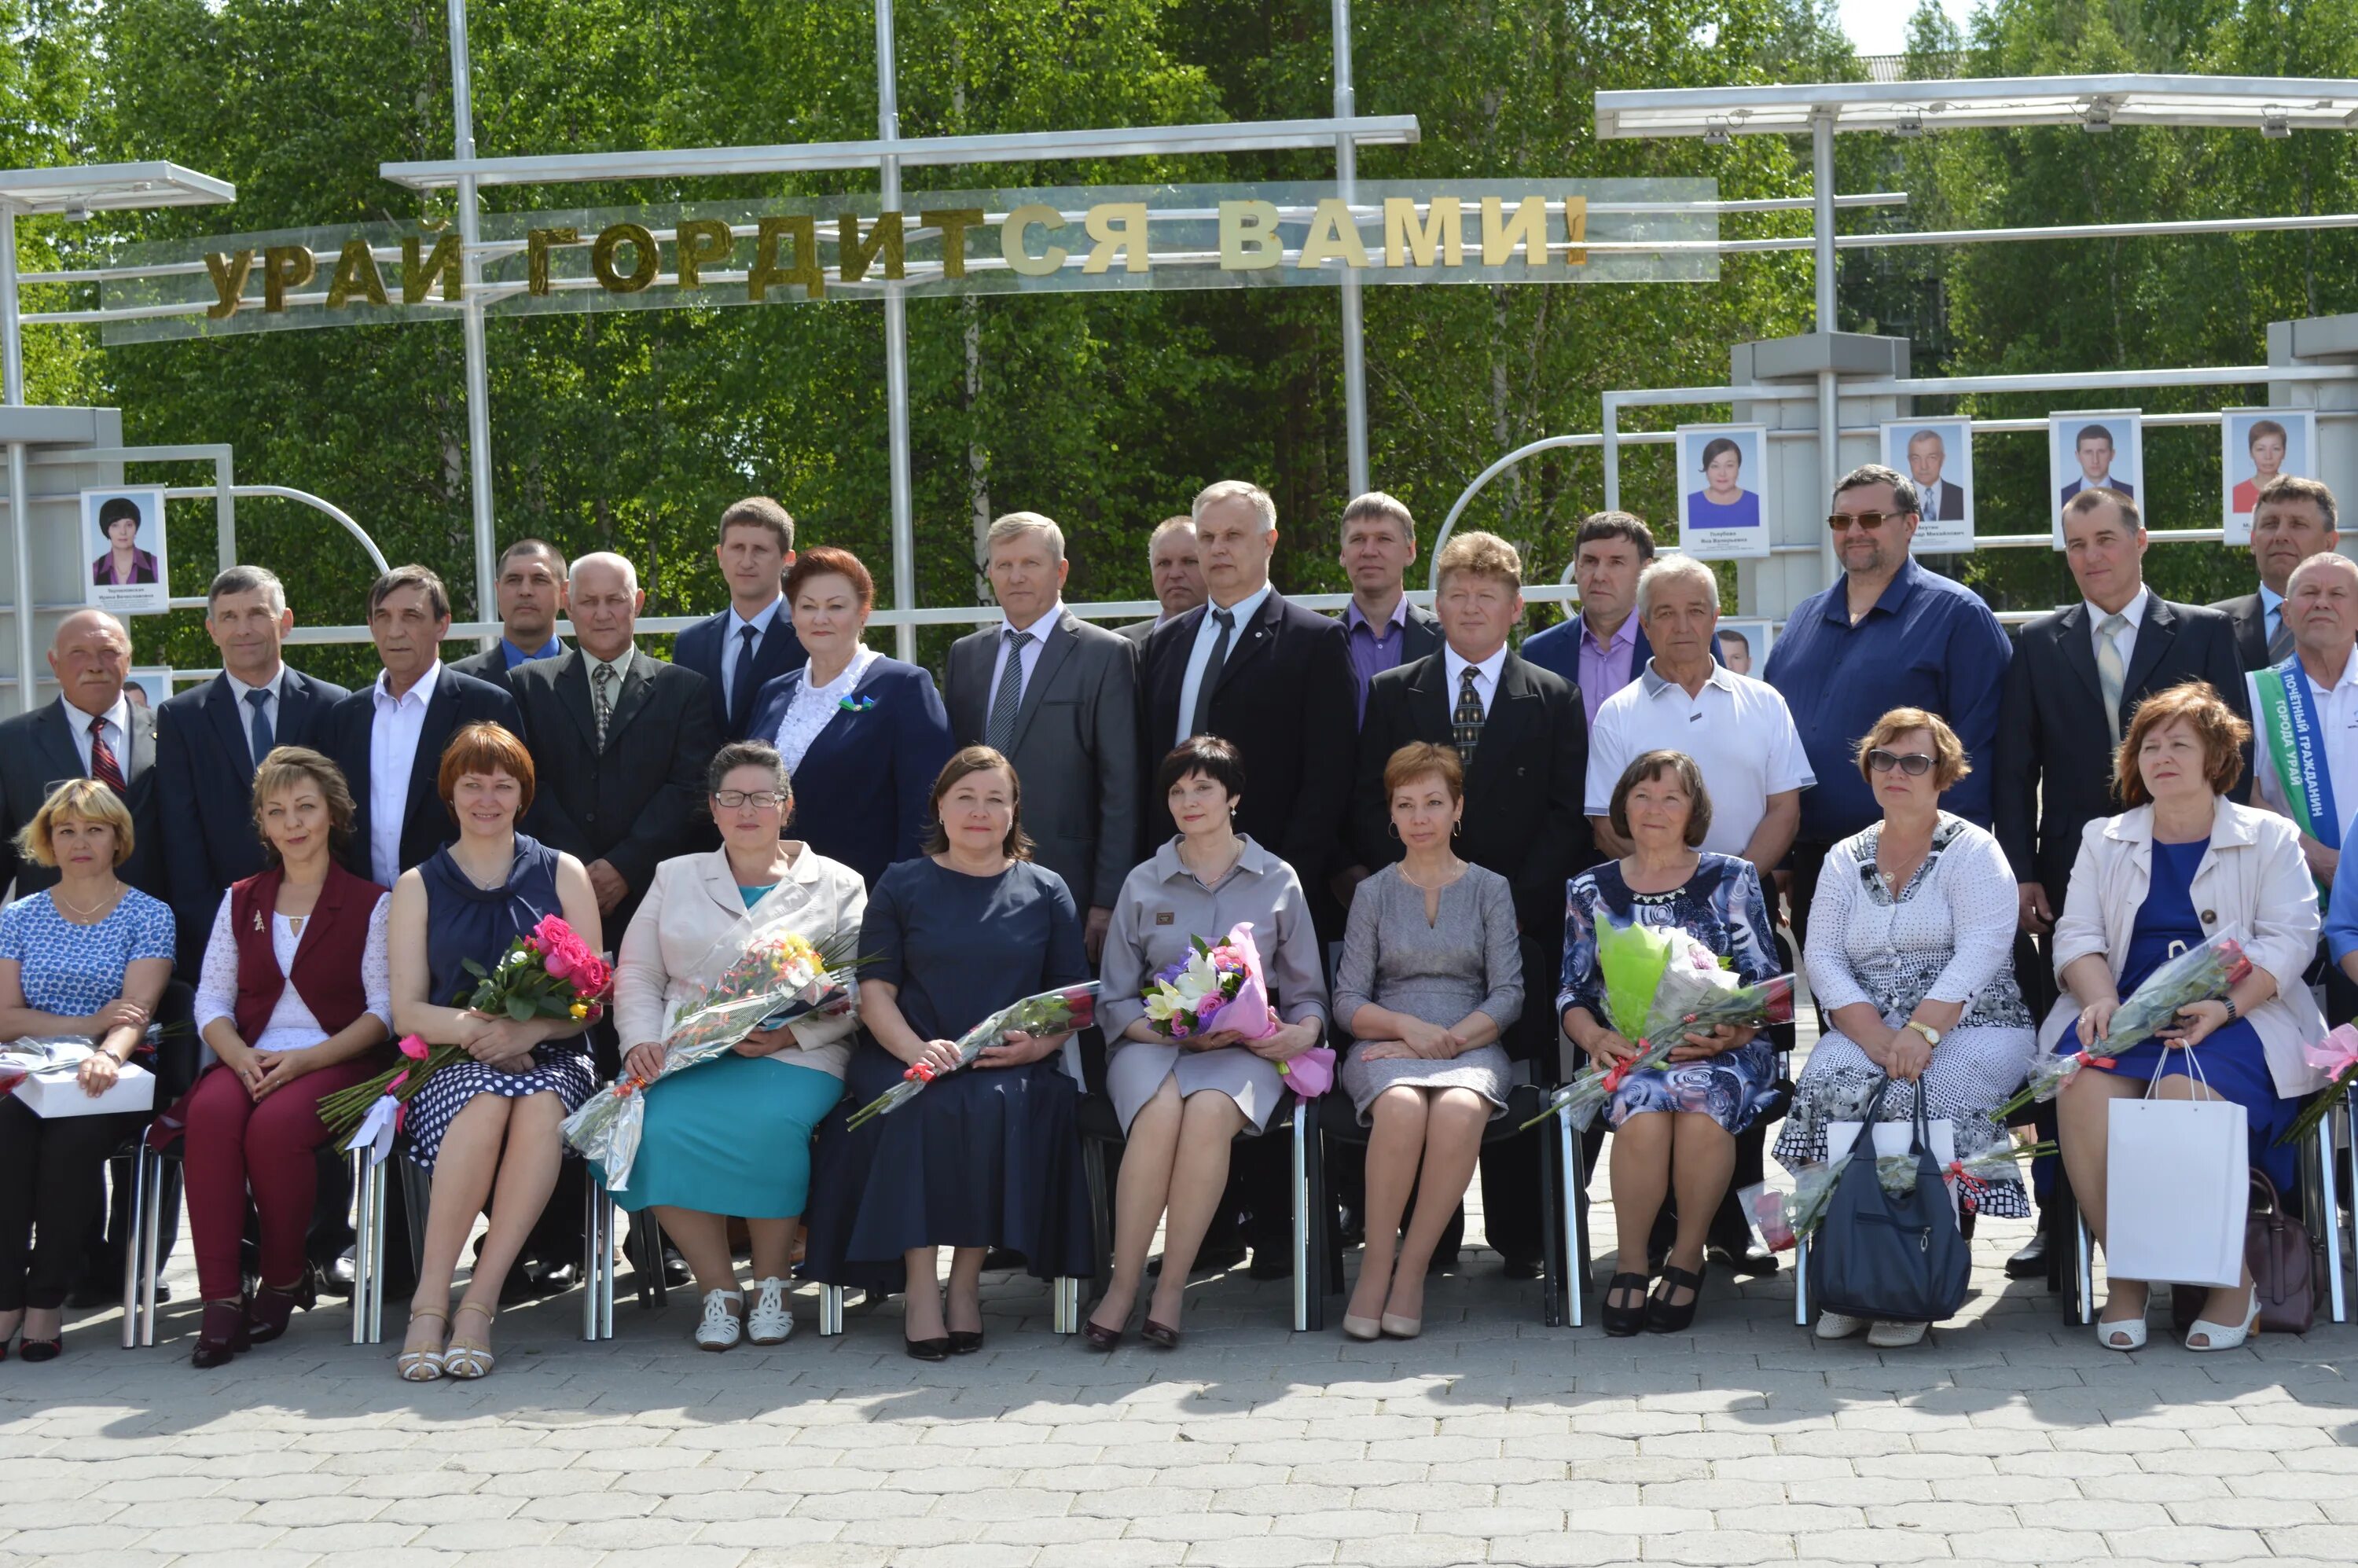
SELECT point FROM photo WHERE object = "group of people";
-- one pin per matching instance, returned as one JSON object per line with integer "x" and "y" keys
{"x": 1416, "y": 817}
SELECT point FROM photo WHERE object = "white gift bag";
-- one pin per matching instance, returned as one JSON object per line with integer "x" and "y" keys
{"x": 2177, "y": 1186}
{"x": 1895, "y": 1138}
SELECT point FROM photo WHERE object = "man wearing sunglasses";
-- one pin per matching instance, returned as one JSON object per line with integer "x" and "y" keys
{"x": 1887, "y": 635}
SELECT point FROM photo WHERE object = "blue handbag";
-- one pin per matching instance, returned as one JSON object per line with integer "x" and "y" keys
{"x": 1893, "y": 1259}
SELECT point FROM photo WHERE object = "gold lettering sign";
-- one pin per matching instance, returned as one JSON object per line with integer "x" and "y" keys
{"x": 1010, "y": 240}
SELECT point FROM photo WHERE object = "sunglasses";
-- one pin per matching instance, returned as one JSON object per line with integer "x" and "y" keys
{"x": 1915, "y": 765}
{"x": 1870, "y": 521}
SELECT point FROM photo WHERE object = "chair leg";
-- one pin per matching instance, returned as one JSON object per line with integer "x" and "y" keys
{"x": 1577, "y": 1267}
{"x": 1802, "y": 1282}
{"x": 150, "y": 1194}
{"x": 368, "y": 1249}
{"x": 1551, "y": 1233}
{"x": 647, "y": 1231}
{"x": 1065, "y": 1304}
{"x": 1093, "y": 1174}
{"x": 1304, "y": 1289}
{"x": 830, "y": 1310}
{"x": 598, "y": 1264}
{"x": 2325, "y": 1215}
{"x": 136, "y": 1173}
{"x": 418, "y": 1198}
{"x": 2083, "y": 1269}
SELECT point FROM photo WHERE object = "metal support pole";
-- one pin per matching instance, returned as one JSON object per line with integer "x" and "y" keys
{"x": 12, "y": 387}
{"x": 225, "y": 509}
{"x": 1822, "y": 188}
{"x": 896, "y": 352}
{"x": 478, "y": 385}
{"x": 1346, "y": 185}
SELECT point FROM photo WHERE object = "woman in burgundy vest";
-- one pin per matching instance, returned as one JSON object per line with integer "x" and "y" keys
{"x": 294, "y": 1002}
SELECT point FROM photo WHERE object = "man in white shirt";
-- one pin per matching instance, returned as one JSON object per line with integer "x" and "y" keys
{"x": 1737, "y": 729}
{"x": 2306, "y": 745}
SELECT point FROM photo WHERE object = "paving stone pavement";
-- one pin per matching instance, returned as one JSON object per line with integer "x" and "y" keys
{"x": 2007, "y": 1437}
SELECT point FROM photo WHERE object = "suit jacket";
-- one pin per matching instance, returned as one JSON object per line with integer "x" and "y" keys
{"x": 426, "y": 823}
{"x": 1524, "y": 792}
{"x": 36, "y": 749}
{"x": 493, "y": 665}
{"x": 1557, "y": 650}
{"x": 1950, "y": 502}
{"x": 204, "y": 799}
{"x": 1287, "y": 700}
{"x": 1138, "y": 631}
{"x": 778, "y": 652}
{"x": 1419, "y": 633}
{"x": 143, "y": 569}
{"x": 2077, "y": 485}
{"x": 2052, "y": 762}
{"x": 639, "y": 802}
{"x": 862, "y": 790}
{"x": 1075, "y": 748}
{"x": 2249, "y": 614}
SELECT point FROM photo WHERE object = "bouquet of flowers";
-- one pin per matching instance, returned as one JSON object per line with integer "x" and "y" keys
{"x": 548, "y": 972}
{"x": 1222, "y": 988}
{"x": 1783, "y": 1215}
{"x": 2047, "y": 1075}
{"x": 1661, "y": 985}
{"x": 776, "y": 977}
{"x": 2203, "y": 973}
{"x": 20, "y": 1059}
{"x": 1050, "y": 1013}
{"x": 2336, "y": 1057}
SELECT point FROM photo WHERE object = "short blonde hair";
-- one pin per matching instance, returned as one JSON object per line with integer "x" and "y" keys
{"x": 1422, "y": 759}
{"x": 1484, "y": 554}
{"x": 86, "y": 800}
{"x": 1016, "y": 524}
{"x": 1949, "y": 762}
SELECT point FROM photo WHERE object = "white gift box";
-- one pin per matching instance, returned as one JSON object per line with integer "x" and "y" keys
{"x": 59, "y": 1092}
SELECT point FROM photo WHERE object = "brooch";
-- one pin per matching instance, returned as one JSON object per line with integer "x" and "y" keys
{"x": 855, "y": 704}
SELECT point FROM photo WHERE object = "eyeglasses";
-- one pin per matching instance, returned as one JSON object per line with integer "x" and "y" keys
{"x": 730, "y": 799}
{"x": 1915, "y": 765}
{"x": 1870, "y": 521}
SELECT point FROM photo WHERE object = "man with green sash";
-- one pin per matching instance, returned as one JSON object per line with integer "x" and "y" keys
{"x": 2305, "y": 712}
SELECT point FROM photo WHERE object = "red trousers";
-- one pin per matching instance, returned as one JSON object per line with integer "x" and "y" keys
{"x": 235, "y": 1146}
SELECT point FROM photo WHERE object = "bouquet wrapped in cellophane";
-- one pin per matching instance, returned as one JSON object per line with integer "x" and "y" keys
{"x": 1785, "y": 1212}
{"x": 1050, "y": 1013}
{"x": 1221, "y": 987}
{"x": 2336, "y": 1057}
{"x": 775, "y": 976}
{"x": 1661, "y": 985}
{"x": 2202, "y": 973}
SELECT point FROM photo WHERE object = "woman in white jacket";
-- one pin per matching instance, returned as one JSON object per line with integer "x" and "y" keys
{"x": 2182, "y": 864}
{"x": 732, "y": 1135}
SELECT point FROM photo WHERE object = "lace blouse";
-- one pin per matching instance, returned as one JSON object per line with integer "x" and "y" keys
{"x": 291, "y": 1025}
{"x": 1949, "y": 935}
{"x": 813, "y": 707}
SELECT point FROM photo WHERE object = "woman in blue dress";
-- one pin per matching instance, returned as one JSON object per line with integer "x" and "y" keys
{"x": 487, "y": 1128}
{"x": 2183, "y": 864}
{"x": 1674, "y": 1127}
{"x": 987, "y": 1157}
{"x": 1722, "y": 502}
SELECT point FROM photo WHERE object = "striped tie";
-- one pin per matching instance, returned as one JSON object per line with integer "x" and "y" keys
{"x": 2280, "y": 640}
{"x": 603, "y": 678}
{"x": 103, "y": 765}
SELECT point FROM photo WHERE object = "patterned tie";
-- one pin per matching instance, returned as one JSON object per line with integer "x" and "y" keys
{"x": 103, "y": 765}
{"x": 1200, "y": 723}
{"x": 601, "y": 678}
{"x": 741, "y": 679}
{"x": 1000, "y": 733}
{"x": 2110, "y": 676}
{"x": 1467, "y": 723}
{"x": 2280, "y": 640}
{"x": 262, "y": 737}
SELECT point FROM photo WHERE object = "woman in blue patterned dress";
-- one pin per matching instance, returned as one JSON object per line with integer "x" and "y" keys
{"x": 89, "y": 958}
{"x": 487, "y": 1128}
{"x": 1673, "y": 1126}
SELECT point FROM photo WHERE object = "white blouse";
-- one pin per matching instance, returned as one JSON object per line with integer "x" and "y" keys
{"x": 291, "y": 1026}
{"x": 812, "y": 706}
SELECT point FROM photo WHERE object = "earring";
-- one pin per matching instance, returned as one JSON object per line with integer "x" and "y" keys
{"x": 1392, "y": 829}
{"x": 1457, "y": 829}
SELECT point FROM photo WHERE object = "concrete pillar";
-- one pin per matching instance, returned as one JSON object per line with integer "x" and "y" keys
{"x": 58, "y": 568}
{"x": 2324, "y": 340}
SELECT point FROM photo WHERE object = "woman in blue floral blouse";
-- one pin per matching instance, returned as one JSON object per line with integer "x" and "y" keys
{"x": 1673, "y": 1126}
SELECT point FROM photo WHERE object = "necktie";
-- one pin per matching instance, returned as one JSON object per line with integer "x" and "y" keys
{"x": 740, "y": 680}
{"x": 1000, "y": 733}
{"x": 1933, "y": 504}
{"x": 262, "y": 737}
{"x": 2110, "y": 676}
{"x": 103, "y": 765}
{"x": 1201, "y": 722}
{"x": 2280, "y": 640}
{"x": 602, "y": 680}
{"x": 1466, "y": 722}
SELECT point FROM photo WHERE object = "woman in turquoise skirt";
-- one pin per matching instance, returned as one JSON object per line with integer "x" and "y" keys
{"x": 731, "y": 1137}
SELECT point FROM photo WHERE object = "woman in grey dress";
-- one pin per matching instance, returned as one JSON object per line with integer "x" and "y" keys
{"x": 1432, "y": 976}
{"x": 1183, "y": 1103}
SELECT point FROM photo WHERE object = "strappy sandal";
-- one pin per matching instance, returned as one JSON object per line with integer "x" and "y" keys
{"x": 422, "y": 1366}
{"x": 1627, "y": 1318}
{"x": 470, "y": 1361}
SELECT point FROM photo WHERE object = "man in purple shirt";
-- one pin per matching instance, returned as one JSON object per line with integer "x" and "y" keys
{"x": 1382, "y": 630}
{"x": 1602, "y": 649}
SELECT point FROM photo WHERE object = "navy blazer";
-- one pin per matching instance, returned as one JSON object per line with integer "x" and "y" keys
{"x": 426, "y": 823}
{"x": 863, "y": 791}
{"x": 779, "y": 653}
{"x": 1557, "y": 649}
{"x": 204, "y": 798}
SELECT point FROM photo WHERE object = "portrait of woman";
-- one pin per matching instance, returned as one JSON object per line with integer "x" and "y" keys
{"x": 125, "y": 563}
{"x": 1722, "y": 502}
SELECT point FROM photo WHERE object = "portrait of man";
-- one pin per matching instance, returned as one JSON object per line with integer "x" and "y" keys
{"x": 1735, "y": 649}
{"x": 1944, "y": 499}
{"x": 2096, "y": 453}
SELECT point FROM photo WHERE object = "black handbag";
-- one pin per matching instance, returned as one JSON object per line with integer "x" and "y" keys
{"x": 1892, "y": 1258}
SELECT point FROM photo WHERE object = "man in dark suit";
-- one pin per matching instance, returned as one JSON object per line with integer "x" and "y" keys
{"x": 757, "y": 545}
{"x": 92, "y": 731}
{"x": 620, "y": 741}
{"x": 2093, "y": 449}
{"x": 2075, "y": 680}
{"x": 531, "y": 590}
{"x": 388, "y": 737}
{"x": 1944, "y": 500}
{"x": 1178, "y": 575}
{"x": 1601, "y": 650}
{"x": 1059, "y": 698}
{"x": 2292, "y": 519}
{"x": 1525, "y": 777}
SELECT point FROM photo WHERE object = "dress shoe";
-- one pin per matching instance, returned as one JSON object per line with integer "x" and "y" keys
{"x": 1270, "y": 1263}
{"x": 964, "y": 1342}
{"x": 556, "y": 1279}
{"x": 270, "y": 1310}
{"x": 1523, "y": 1267}
{"x": 338, "y": 1274}
{"x": 1751, "y": 1261}
{"x": 936, "y": 1349}
{"x": 223, "y": 1336}
{"x": 39, "y": 1350}
{"x": 1002, "y": 1258}
{"x": 1209, "y": 1261}
{"x": 2030, "y": 1263}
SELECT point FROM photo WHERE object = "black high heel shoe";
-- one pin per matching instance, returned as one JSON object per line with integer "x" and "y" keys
{"x": 1622, "y": 1322}
{"x": 223, "y": 1334}
{"x": 964, "y": 1343}
{"x": 936, "y": 1349}
{"x": 268, "y": 1314}
{"x": 1661, "y": 1317}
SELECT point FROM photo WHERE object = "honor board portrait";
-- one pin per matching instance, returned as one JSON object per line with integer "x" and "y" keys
{"x": 123, "y": 535}
{"x": 2093, "y": 449}
{"x": 2256, "y": 445}
{"x": 1723, "y": 509}
{"x": 1938, "y": 454}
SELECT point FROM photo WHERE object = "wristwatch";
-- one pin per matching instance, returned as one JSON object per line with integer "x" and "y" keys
{"x": 2233, "y": 1012}
{"x": 1931, "y": 1035}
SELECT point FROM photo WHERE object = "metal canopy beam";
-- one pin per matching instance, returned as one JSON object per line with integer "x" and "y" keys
{"x": 1027, "y": 147}
{"x": 2276, "y": 105}
{"x": 111, "y": 187}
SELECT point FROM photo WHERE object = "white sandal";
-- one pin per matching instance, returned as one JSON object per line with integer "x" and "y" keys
{"x": 2225, "y": 1336}
{"x": 769, "y": 1322}
{"x": 721, "y": 1328}
{"x": 470, "y": 1361}
{"x": 422, "y": 1366}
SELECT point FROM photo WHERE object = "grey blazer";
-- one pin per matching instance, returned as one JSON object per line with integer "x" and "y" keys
{"x": 1076, "y": 750}
{"x": 36, "y": 749}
